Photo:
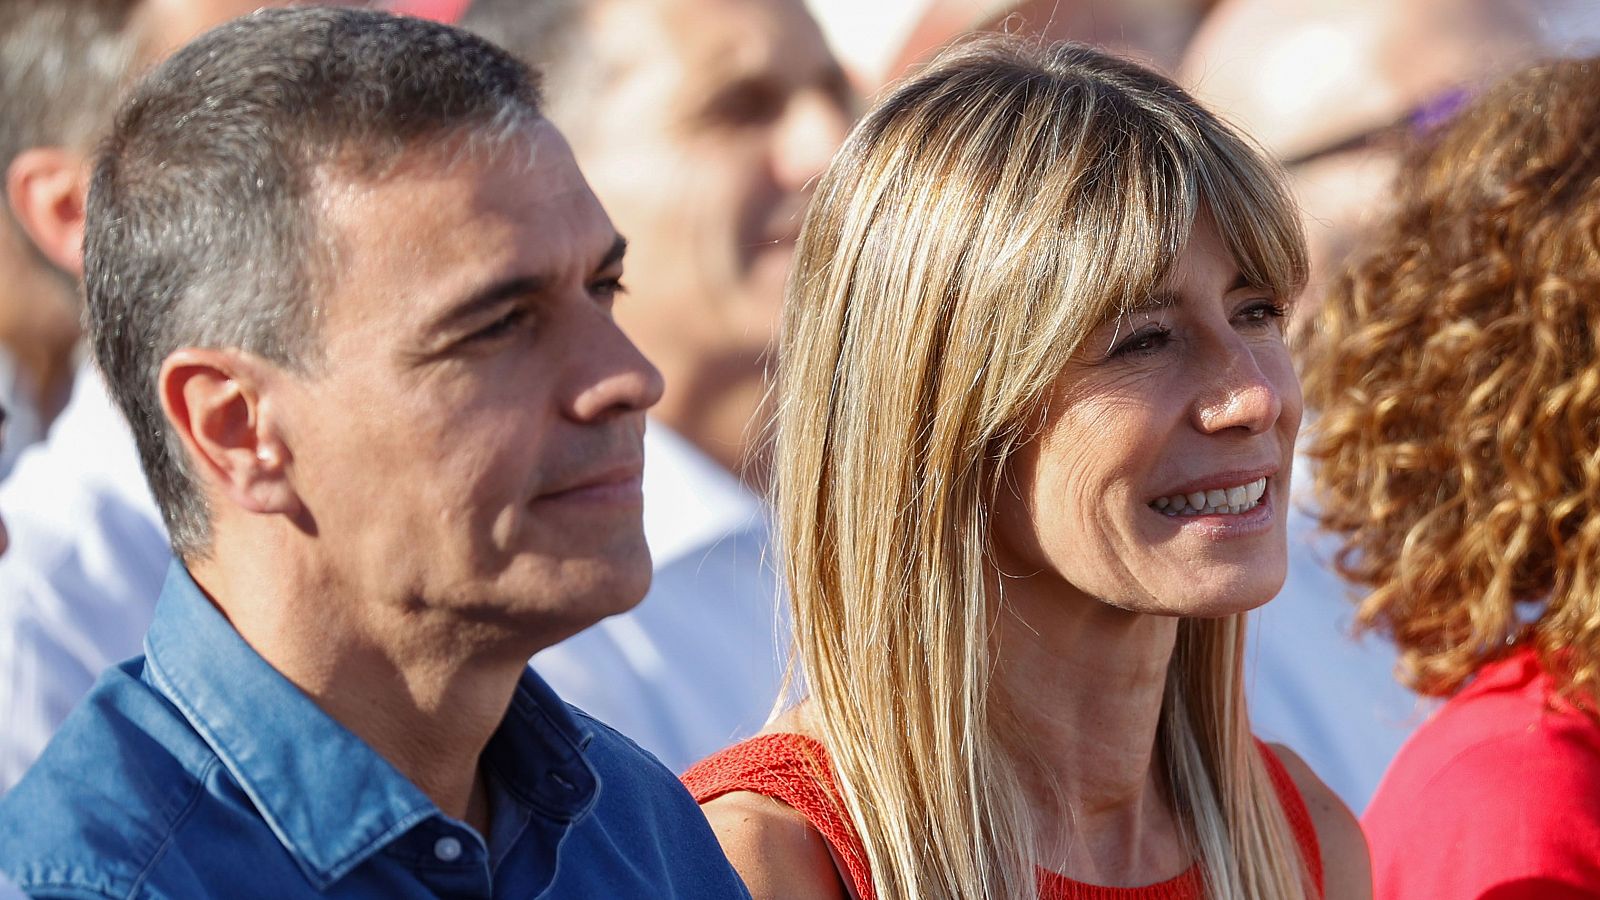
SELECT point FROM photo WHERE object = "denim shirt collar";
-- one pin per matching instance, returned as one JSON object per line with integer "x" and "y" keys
{"x": 330, "y": 799}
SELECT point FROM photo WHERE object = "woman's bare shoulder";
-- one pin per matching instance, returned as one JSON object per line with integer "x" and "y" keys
{"x": 798, "y": 719}
{"x": 1346, "y": 864}
{"x": 771, "y": 844}
{"x": 773, "y": 848}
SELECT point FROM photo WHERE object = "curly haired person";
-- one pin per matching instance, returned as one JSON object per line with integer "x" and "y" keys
{"x": 1457, "y": 379}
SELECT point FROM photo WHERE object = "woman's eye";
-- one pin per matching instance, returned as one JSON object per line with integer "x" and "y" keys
{"x": 1147, "y": 340}
{"x": 1264, "y": 312}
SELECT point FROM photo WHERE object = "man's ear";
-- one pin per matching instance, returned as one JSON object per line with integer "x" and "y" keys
{"x": 47, "y": 188}
{"x": 217, "y": 404}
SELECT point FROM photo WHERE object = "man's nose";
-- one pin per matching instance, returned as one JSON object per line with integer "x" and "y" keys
{"x": 615, "y": 378}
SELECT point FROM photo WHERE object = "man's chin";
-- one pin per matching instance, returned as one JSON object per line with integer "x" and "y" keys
{"x": 547, "y": 606}
{"x": 552, "y": 627}
{"x": 600, "y": 596}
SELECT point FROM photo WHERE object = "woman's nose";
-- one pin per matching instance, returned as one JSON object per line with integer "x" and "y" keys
{"x": 1240, "y": 395}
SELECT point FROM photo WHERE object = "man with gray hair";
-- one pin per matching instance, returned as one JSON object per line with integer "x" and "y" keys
{"x": 353, "y": 294}
{"x": 703, "y": 123}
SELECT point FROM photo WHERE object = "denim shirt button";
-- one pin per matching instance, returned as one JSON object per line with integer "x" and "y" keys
{"x": 448, "y": 849}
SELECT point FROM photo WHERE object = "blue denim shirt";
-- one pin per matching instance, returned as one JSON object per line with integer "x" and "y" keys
{"x": 198, "y": 770}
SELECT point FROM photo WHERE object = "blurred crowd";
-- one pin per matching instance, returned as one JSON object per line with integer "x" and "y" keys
{"x": 1441, "y": 529}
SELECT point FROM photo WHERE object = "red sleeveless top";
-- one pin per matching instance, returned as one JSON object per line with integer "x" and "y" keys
{"x": 794, "y": 769}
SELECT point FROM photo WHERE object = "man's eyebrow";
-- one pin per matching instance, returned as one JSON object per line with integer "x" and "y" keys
{"x": 489, "y": 297}
{"x": 498, "y": 292}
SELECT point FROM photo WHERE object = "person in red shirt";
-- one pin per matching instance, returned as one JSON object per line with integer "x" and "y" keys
{"x": 1457, "y": 376}
{"x": 1035, "y": 422}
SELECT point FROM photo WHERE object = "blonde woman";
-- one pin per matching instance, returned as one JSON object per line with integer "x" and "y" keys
{"x": 1459, "y": 462}
{"x": 1033, "y": 449}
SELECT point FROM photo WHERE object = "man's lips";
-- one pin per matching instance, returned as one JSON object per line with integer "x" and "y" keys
{"x": 619, "y": 483}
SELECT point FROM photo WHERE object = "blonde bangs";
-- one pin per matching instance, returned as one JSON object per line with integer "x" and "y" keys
{"x": 1256, "y": 218}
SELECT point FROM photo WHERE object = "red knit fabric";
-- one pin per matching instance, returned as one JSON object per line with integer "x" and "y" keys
{"x": 794, "y": 769}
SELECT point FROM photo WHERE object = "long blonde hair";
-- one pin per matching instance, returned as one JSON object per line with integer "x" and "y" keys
{"x": 976, "y": 225}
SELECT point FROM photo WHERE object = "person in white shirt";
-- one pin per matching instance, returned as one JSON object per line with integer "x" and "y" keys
{"x": 700, "y": 125}
{"x": 5, "y": 539}
{"x": 25, "y": 424}
{"x": 8, "y": 891}
{"x": 61, "y": 65}
{"x": 89, "y": 548}
{"x": 79, "y": 585}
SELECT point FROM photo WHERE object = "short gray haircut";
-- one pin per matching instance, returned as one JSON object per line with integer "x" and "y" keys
{"x": 202, "y": 230}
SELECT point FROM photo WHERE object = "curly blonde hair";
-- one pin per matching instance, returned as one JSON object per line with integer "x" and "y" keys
{"x": 1456, "y": 373}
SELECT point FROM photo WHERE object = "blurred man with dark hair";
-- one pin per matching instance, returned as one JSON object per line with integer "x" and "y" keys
{"x": 62, "y": 63}
{"x": 701, "y": 124}
{"x": 351, "y": 290}
{"x": 76, "y": 592}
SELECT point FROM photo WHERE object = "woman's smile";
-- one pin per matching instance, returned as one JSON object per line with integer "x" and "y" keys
{"x": 1228, "y": 501}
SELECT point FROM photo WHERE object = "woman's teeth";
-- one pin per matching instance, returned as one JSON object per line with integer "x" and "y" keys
{"x": 1222, "y": 501}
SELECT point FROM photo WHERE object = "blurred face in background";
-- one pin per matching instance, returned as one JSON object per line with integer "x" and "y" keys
{"x": 716, "y": 117}
{"x": 46, "y": 184}
{"x": 1332, "y": 87}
